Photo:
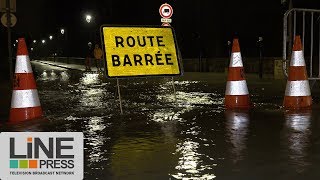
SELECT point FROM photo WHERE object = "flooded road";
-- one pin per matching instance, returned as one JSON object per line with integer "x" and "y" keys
{"x": 194, "y": 138}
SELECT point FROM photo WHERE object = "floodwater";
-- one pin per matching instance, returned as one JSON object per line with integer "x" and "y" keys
{"x": 193, "y": 138}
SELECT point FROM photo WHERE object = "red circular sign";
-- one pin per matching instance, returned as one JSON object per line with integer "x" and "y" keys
{"x": 165, "y": 10}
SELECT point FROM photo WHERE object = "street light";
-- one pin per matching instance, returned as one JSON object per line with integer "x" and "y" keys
{"x": 34, "y": 41}
{"x": 260, "y": 44}
{"x": 62, "y": 31}
{"x": 88, "y": 18}
{"x": 229, "y": 47}
{"x": 50, "y": 37}
{"x": 43, "y": 41}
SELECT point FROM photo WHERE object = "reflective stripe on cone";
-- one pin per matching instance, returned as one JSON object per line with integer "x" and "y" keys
{"x": 23, "y": 64}
{"x": 298, "y": 88}
{"x": 237, "y": 88}
{"x": 25, "y": 98}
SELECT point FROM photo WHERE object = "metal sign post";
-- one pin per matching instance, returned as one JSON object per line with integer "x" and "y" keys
{"x": 119, "y": 94}
{"x": 174, "y": 90}
{"x": 166, "y": 12}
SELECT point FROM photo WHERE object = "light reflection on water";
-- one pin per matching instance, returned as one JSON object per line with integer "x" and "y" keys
{"x": 191, "y": 164}
{"x": 44, "y": 75}
{"x": 184, "y": 83}
{"x": 64, "y": 76}
{"x": 298, "y": 125}
{"x": 168, "y": 119}
{"x": 166, "y": 115}
{"x": 94, "y": 127}
{"x": 91, "y": 97}
{"x": 52, "y": 76}
{"x": 90, "y": 78}
{"x": 192, "y": 98}
{"x": 237, "y": 124}
{"x": 187, "y": 98}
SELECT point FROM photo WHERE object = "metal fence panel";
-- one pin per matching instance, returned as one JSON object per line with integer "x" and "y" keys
{"x": 305, "y": 22}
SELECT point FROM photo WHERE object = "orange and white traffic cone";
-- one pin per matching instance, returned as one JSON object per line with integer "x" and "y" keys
{"x": 237, "y": 94}
{"x": 25, "y": 104}
{"x": 298, "y": 94}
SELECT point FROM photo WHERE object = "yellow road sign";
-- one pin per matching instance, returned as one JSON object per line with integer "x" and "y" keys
{"x": 140, "y": 51}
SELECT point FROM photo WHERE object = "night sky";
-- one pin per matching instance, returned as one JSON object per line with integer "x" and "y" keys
{"x": 200, "y": 25}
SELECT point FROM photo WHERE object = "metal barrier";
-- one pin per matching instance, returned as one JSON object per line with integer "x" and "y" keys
{"x": 307, "y": 36}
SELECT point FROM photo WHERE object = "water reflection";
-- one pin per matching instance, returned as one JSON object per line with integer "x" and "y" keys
{"x": 237, "y": 124}
{"x": 186, "y": 99}
{"x": 53, "y": 75}
{"x": 298, "y": 126}
{"x": 93, "y": 129}
{"x": 90, "y": 78}
{"x": 191, "y": 164}
{"x": 50, "y": 76}
{"x": 168, "y": 119}
{"x": 44, "y": 75}
{"x": 64, "y": 76}
{"x": 92, "y": 97}
{"x": 184, "y": 83}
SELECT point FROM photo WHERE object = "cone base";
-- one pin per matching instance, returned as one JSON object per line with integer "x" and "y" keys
{"x": 23, "y": 114}
{"x": 297, "y": 102}
{"x": 237, "y": 101}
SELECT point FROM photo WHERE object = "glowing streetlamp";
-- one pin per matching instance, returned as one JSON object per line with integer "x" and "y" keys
{"x": 62, "y": 31}
{"x": 43, "y": 41}
{"x": 34, "y": 41}
{"x": 50, "y": 37}
{"x": 260, "y": 44}
{"x": 88, "y": 18}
